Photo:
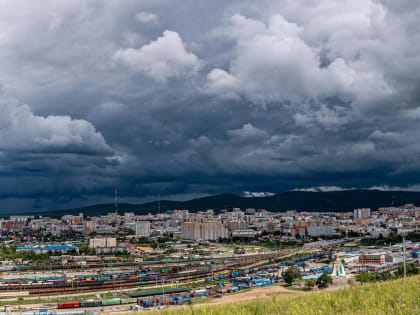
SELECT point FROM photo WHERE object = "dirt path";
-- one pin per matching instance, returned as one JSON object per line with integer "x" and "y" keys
{"x": 257, "y": 293}
{"x": 265, "y": 292}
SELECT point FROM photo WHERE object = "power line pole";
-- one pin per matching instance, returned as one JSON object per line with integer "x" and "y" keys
{"x": 163, "y": 291}
{"x": 404, "y": 256}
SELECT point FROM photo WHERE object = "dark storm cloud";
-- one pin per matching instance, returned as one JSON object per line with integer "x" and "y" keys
{"x": 204, "y": 97}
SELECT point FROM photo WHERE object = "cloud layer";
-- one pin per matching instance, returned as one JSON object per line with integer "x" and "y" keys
{"x": 205, "y": 97}
{"x": 22, "y": 131}
{"x": 161, "y": 59}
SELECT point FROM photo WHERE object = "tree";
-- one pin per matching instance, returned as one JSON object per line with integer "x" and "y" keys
{"x": 384, "y": 276}
{"x": 291, "y": 274}
{"x": 411, "y": 269}
{"x": 309, "y": 284}
{"x": 365, "y": 277}
{"x": 324, "y": 281}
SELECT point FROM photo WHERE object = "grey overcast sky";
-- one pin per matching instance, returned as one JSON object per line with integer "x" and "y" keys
{"x": 196, "y": 97}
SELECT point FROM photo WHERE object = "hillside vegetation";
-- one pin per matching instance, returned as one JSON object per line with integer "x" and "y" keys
{"x": 336, "y": 201}
{"x": 391, "y": 297}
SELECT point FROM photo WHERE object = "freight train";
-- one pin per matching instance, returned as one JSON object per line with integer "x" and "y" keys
{"x": 96, "y": 265}
{"x": 96, "y": 303}
{"x": 98, "y": 282}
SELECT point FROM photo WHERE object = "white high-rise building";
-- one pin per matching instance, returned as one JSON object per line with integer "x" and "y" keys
{"x": 319, "y": 230}
{"x": 201, "y": 231}
{"x": 143, "y": 228}
{"x": 128, "y": 216}
{"x": 362, "y": 213}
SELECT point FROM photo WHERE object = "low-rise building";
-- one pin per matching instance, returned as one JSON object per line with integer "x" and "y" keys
{"x": 375, "y": 258}
{"x": 102, "y": 242}
{"x": 394, "y": 258}
{"x": 48, "y": 249}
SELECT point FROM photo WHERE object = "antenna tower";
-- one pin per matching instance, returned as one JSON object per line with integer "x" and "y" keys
{"x": 116, "y": 201}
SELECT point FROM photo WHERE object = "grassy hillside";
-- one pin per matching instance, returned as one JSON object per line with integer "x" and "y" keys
{"x": 392, "y": 297}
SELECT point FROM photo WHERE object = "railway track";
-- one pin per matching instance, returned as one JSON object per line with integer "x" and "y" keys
{"x": 135, "y": 280}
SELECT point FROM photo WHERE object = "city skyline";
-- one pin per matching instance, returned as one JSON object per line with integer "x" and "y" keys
{"x": 196, "y": 156}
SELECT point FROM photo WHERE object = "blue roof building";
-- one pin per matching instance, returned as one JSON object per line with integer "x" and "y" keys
{"x": 48, "y": 248}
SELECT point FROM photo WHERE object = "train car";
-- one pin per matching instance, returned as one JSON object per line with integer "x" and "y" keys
{"x": 69, "y": 305}
{"x": 110, "y": 302}
{"x": 90, "y": 303}
{"x": 141, "y": 282}
{"x": 129, "y": 301}
{"x": 88, "y": 280}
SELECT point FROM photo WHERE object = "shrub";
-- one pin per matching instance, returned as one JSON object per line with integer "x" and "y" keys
{"x": 411, "y": 269}
{"x": 324, "y": 281}
{"x": 364, "y": 277}
{"x": 310, "y": 283}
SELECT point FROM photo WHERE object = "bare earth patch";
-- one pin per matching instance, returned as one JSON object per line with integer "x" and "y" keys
{"x": 257, "y": 293}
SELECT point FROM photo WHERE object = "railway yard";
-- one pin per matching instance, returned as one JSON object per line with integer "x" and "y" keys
{"x": 128, "y": 286}
{"x": 126, "y": 275}
{"x": 142, "y": 286}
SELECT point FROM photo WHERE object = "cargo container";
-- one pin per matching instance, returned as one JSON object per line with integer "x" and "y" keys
{"x": 234, "y": 289}
{"x": 69, "y": 305}
{"x": 202, "y": 293}
{"x": 90, "y": 303}
{"x": 147, "y": 303}
{"x": 157, "y": 292}
{"x": 129, "y": 301}
{"x": 103, "y": 278}
{"x": 111, "y": 302}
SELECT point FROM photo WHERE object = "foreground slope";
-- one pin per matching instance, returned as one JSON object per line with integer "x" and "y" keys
{"x": 392, "y": 297}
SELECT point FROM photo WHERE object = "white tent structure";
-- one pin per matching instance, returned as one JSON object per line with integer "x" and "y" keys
{"x": 338, "y": 268}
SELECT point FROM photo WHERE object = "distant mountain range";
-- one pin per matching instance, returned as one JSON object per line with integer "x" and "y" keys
{"x": 337, "y": 201}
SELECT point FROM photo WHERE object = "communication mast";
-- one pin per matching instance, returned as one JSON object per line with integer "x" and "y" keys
{"x": 159, "y": 203}
{"x": 116, "y": 201}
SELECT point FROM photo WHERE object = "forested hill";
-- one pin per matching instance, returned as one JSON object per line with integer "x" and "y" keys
{"x": 338, "y": 201}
